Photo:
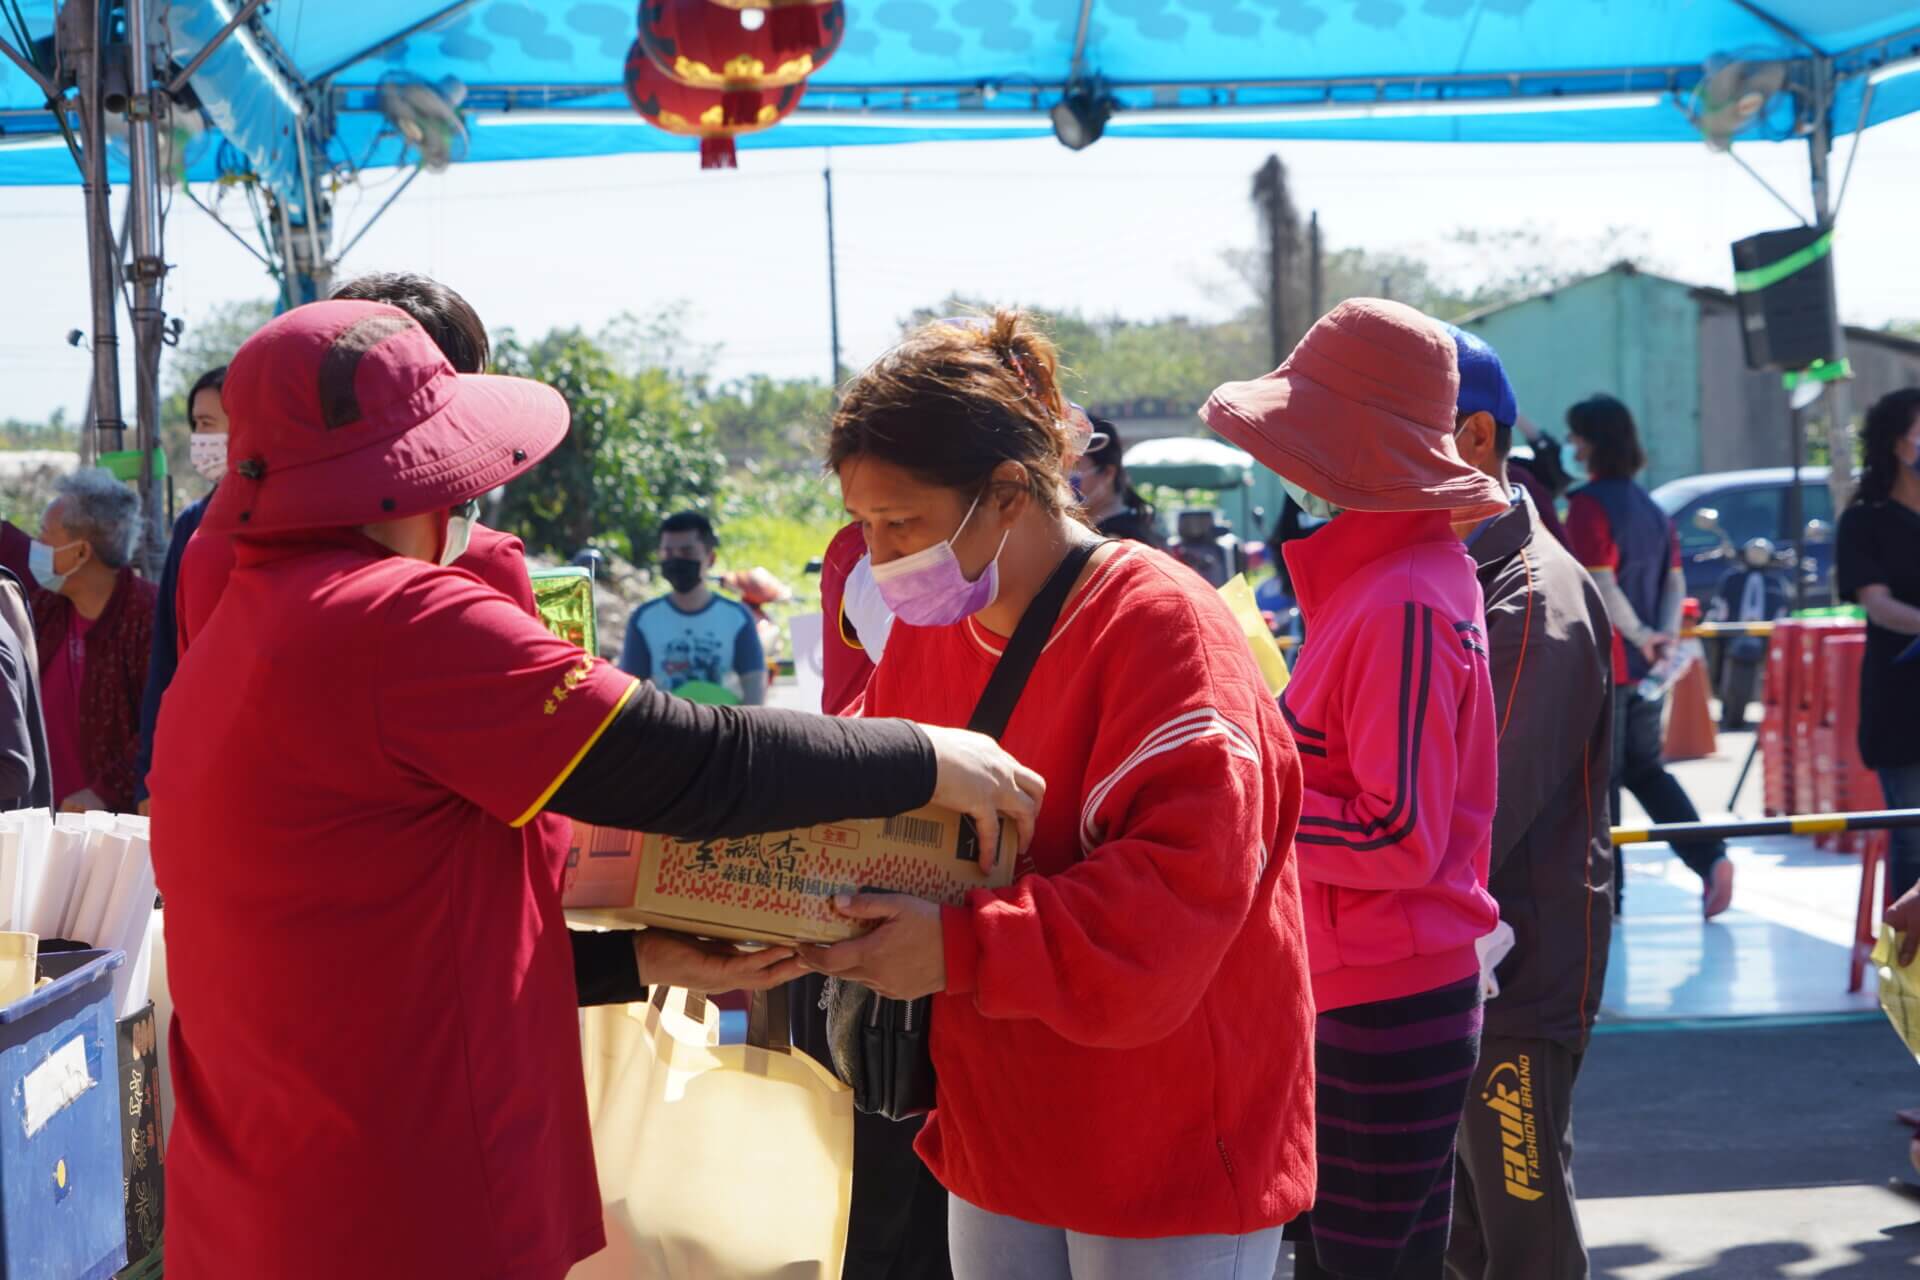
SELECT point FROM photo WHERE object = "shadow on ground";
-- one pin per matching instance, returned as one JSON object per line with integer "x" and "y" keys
{"x": 1890, "y": 1253}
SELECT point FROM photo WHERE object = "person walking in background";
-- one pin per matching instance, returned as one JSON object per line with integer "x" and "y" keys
{"x": 1393, "y": 709}
{"x": 1877, "y": 562}
{"x": 693, "y": 638}
{"x": 208, "y": 452}
{"x": 93, "y": 627}
{"x": 1120, "y": 1035}
{"x": 1551, "y": 652}
{"x": 1630, "y": 547}
{"x": 1108, "y": 497}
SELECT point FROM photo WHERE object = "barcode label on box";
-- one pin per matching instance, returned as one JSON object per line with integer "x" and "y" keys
{"x": 921, "y": 831}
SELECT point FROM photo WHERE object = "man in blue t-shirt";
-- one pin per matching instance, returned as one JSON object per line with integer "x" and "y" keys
{"x": 691, "y": 635}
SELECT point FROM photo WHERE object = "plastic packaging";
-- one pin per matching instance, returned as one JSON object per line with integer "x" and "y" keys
{"x": 1672, "y": 665}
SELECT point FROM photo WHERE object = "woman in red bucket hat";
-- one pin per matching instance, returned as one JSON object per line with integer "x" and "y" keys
{"x": 1392, "y": 709}
{"x": 374, "y": 1045}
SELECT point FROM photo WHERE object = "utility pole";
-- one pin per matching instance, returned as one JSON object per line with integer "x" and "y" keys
{"x": 833, "y": 286}
{"x": 1840, "y": 390}
{"x": 1275, "y": 206}
{"x": 1316, "y": 271}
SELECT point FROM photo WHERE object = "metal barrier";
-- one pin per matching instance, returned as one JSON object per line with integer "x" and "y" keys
{"x": 1805, "y": 824}
{"x": 1876, "y": 891}
{"x": 1702, "y": 631}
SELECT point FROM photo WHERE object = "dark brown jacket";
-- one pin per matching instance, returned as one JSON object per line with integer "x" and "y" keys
{"x": 1552, "y": 866}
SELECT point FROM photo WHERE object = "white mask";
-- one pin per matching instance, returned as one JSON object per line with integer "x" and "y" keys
{"x": 1311, "y": 503}
{"x": 208, "y": 451}
{"x": 460, "y": 530}
{"x": 40, "y": 561}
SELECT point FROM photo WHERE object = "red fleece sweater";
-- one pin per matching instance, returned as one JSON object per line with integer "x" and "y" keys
{"x": 1392, "y": 705}
{"x": 1124, "y": 1045}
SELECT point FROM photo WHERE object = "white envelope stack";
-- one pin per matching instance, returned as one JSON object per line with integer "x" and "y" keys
{"x": 87, "y": 878}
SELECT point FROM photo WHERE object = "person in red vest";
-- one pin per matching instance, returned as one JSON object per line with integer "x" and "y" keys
{"x": 1622, "y": 537}
{"x": 374, "y": 1002}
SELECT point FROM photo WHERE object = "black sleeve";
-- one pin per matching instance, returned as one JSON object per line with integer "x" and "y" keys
{"x": 1856, "y": 559}
{"x": 678, "y": 768}
{"x": 604, "y": 970}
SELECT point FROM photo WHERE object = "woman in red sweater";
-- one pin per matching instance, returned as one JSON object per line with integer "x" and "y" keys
{"x": 1121, "y": 1036}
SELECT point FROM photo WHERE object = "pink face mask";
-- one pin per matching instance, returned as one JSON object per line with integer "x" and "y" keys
{"x": 929, "y": 589}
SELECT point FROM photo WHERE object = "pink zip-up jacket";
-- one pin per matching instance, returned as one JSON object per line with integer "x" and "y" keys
{"x": 1392, "y": 708}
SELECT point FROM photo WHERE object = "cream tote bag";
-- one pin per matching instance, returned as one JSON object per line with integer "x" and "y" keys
{"x": 717, "y": 1162}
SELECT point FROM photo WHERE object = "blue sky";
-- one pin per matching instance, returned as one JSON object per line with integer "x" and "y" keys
{"x": 1130, "y": 227}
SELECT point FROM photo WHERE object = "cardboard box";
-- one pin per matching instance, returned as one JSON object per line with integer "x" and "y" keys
{"x": 140, "y": 1141}
{"x": 776, "y": 887}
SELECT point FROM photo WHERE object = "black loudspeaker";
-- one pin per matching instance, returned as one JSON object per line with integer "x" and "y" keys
{"x": 1784, "y": 281}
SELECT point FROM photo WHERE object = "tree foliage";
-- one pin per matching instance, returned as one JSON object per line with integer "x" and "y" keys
{"x": 636, "y": 453}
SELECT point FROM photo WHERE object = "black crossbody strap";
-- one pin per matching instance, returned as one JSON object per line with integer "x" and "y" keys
{"x": 1010, "y": 674}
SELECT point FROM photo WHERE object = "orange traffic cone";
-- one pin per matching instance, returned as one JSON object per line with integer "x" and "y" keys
{"x": 1690, "y": 731}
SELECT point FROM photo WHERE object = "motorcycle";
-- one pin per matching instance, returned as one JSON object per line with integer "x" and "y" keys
{"x": 1758, "y": 589}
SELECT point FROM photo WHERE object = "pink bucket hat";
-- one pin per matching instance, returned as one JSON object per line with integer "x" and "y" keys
{"x": 1361, "y": 414}
{"x": 346, "y": 413}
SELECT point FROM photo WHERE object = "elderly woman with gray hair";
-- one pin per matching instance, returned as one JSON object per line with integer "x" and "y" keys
{"x": 93, "y": 624}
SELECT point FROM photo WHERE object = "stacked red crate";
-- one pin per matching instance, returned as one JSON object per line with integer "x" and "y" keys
{"x": 1781, "y": 697}
{"x": 1854, "y": 786}
{"x": 1809, "y": 713}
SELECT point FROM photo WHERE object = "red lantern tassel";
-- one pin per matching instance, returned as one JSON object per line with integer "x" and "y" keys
{"x": 718, "y": 153}
{"x": 740, "y": 109}
{"x": 797, "y": 26}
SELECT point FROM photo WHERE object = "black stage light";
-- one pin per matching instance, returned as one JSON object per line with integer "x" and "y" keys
{"x": 1080, "y": 117}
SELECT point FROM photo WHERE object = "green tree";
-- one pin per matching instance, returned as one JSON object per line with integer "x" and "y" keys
{"x": 764, "y": 421}
{"x": 637, "y": 451}
{"x": 1111, "y": 359}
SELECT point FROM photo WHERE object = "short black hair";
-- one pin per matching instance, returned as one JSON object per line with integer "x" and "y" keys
{"x": 1614, "y": 442}
{"x": 691, "y": 522}
{"x": 1502, "y": 431}
{"x": 211, "y": 380}
{"x": 448, "y": 318}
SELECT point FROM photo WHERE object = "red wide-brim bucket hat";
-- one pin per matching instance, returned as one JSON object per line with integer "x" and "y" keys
{"x": 346, "y": 413}
{"x": 1362, "y": 414}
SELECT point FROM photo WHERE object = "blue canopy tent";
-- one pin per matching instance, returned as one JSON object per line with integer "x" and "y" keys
{"x": 284, "y": 100}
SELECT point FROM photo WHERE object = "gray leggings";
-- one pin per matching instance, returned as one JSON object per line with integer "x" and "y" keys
{"x": 988, "y": 1246}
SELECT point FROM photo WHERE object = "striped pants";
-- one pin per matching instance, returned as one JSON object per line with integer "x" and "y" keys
{"x": 1393, "y": 1079}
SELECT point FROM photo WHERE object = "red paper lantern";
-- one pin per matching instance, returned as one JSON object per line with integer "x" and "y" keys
{"x": 705, "y": 45}
{"x": 795, "y": 23}
{"x": 714, "y": 118}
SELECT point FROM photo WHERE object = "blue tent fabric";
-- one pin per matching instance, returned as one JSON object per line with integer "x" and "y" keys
{"x": 543, "y": 76}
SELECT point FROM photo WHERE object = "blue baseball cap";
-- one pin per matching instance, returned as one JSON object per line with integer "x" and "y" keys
{"x": 1483, "y": 380}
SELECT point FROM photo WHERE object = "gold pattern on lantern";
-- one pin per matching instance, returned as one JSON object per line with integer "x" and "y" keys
{"x": 743, "y": 72}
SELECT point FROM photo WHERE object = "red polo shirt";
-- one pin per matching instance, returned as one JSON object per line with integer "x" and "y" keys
{"x": 497, "y": 559}
{"x": 375, "y": 1053}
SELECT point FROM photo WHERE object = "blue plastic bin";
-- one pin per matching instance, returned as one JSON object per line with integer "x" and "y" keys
{"x": 62, "y": 1215}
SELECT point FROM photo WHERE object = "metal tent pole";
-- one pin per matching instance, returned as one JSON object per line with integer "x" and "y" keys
{"x": 149, "y": 265}
{"x": 82, "y": 44}
{"x": 1839, "y": 391}
{"x": 833, "y": 287}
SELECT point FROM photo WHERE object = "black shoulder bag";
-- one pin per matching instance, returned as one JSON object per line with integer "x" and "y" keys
{"x": 883, "y": 1048}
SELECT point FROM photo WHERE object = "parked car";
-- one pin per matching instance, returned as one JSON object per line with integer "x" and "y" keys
{"x": 1717, "y": 514}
